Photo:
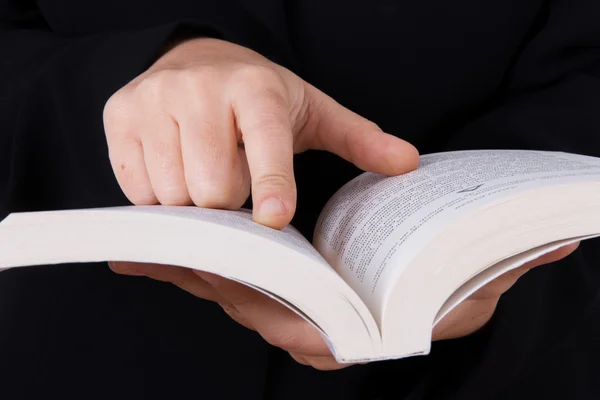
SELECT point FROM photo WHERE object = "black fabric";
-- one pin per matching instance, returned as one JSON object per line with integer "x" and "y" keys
{"x": 443, "y": 75}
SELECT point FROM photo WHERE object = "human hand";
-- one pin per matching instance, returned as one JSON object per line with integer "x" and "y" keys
{"x": 283, "y": 328}
{"x": 278, "y": 325}
{"x": 174, "y": 133}
{"x": 473, "y": 313}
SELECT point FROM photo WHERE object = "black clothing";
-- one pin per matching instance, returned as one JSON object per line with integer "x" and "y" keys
{"x": 442, "y": 75}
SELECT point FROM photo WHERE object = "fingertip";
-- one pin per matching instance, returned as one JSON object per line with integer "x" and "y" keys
{"x": 390, "y": 155}
{"x": 210, "y": 278}
{"x": 572, "y": 247}
{"x": 145, "y": 197}
{"x": 564, "y": 251}
{"x": 125, "y": 268}
{"x": 405, "y": 156}
{"x": 274, "y": 212}
{"x": 553, "y": 256}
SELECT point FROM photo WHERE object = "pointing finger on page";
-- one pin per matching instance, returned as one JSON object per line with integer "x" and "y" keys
{"x": 263, "y": 117}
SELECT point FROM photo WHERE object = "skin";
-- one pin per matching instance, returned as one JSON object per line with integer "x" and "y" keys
{"x": 211, "y": 123}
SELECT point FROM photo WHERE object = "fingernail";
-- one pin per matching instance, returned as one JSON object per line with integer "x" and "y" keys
{"x": 272, "y": 206}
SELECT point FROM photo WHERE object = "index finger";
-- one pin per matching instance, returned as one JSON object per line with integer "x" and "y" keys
{"x": 262, "y": 114}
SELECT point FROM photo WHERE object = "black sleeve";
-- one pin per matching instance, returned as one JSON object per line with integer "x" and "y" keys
{"x": 53, "y": 153}
{"x": 542, "y": 340}
{"x": 551, "y": 95}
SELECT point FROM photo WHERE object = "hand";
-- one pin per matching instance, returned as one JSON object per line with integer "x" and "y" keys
{"x": 283, "y": 328}
{"x": 175, "y": 133}
{"x": 473, "y": 313}
{"x": 210, "y": 120}
{"x": 278, "y": 325}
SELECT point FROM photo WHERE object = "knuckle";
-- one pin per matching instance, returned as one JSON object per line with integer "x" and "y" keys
{"x": 123, "y": 268}
{"x": 199, "y": 78}
{"x": 323, "y": 363}
{"x": 117, "y": 267}
{"x": 221, "y": 189}
{"x": 371, "y": 126}
{"x": 207, "y": 198}
{"x": 266, "y": 85}
{"x": 129, "y": 174}
{"x": 196, "y": 84}
{"x": 230, "y": 310}
{"x": 155, "y": 87}
{"x": 215, "y": 195}
{"x": 168, "y": 189}
{"x": 223, "y": 286}
{"x": 268, "y": 122}
{"x": 117, "y": 113}
{"x": 124, "y": 154}
{"x": 360, "y": 123}
{"x": 235, "y": 315}
{"x": 283, "y": 338}
{"x": 140, "y": 197}
{"x": 165, "y": 149}
{"x": 241, "y": 297}
{"x": 300, "y": 359}
{"x": 249, "y": 74}
{"x": 281, "y": 179}
{"x": 272, "y": 97}
{"x": 173, "y": 196}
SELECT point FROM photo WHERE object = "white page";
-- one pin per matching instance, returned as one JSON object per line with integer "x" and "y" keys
{"x": 240, "y": 219}
{"x": 282, "y": 264}
{"x": 498, "y": 269}
{"x": 374, "y": 226}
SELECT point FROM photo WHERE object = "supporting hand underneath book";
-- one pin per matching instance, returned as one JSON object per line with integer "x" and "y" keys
{"x": 175, "y": 136}
{"x": 283, "y": 328}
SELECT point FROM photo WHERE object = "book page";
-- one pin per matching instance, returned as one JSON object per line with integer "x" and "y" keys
{"x": 374, "y": 226}
{"x": 240, "y": 219}
{"x": 281, "y": 264}
{"x": 498, "y": 269}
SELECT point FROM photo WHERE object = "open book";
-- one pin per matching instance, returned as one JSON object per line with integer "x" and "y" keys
{"x": 391, "y": 255}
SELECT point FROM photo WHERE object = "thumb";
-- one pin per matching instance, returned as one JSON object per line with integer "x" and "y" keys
{"x": 338, "y": 130}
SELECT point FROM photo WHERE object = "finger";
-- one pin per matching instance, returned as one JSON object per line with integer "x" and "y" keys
{"x": 356, "y": 139}
{"x": 551, "y": 257}
{"x": 126, "y": 153}
{"x": 299, "y": 358}
{"x": 466, "y": 318}
{"x": 500, "y": 285}
{"x": 278, "y": 325}
{"x": 323, "y": 363}
{"x": 235, "y": 315}
{"x": 214, "y": 172}
{"x": 263, "y": 117}
{"x": 162, "y": 155}
{"x": 477, "y": 310}
{"x": 184, "y": 278}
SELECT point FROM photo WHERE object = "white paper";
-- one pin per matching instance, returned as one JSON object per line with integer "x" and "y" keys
{"x": 493, "y": 272}
{"x": 240, "y": 219}
{"x": 374, "y": 226}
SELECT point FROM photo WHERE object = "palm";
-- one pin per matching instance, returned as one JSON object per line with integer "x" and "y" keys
{"x": 283, "y": 328}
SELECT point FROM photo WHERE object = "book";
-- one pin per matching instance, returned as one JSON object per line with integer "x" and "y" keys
{"x": 390, "y": 257}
